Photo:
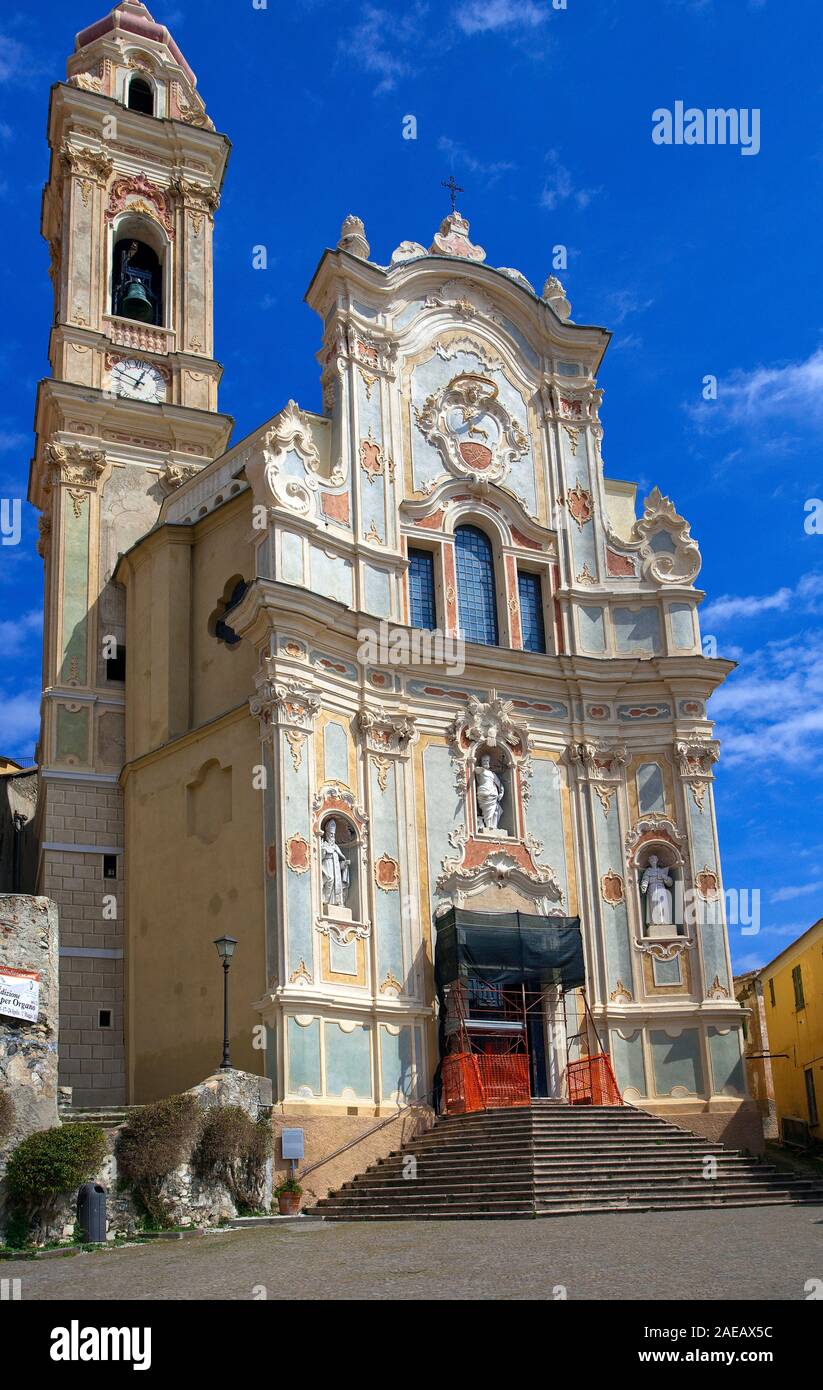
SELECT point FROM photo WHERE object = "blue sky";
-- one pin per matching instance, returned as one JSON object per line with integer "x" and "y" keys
{"x": 701, "y": 260}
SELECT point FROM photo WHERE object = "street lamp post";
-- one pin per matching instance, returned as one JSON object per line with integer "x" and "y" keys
{"x": 225, "y": 950}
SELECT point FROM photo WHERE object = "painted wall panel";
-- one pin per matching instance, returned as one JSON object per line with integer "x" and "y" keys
{"x": 627, "y": 1061}
{"x": 348, "y": 1059}
{"x": 676, "y": 1061}
{"x": 304, "y": 1056}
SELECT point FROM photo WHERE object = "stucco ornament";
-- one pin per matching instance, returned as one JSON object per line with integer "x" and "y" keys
{"x": 473, "y": 432}
{"x": 353, "y": 237}
{"x": 491, "y": 723}
{"x": 334, "y": 866}
{"x": 453, "y": 240}
{"x": 475, "y": 867}
{"x": 284, "y": 472}
{"x": 555, "y": 295}
{"x": 662, "y": 541}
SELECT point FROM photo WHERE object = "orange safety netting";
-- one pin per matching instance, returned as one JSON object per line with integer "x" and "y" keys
{"x": 505, "y": 1078}
{"x": 478, "y": 1081}
{"x": 462, "y": 1090}
{"x": 591, "y": 1081}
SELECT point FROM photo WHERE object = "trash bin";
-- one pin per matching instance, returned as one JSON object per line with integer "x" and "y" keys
{"x": 91, "y": 1212}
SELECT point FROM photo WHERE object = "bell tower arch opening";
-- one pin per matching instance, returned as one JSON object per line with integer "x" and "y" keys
{"x": 140, "y": 95}
{"x": 137, "y": 288}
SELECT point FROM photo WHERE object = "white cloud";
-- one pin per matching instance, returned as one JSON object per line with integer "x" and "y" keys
{"x": 770, "y": 711}
{"x": 784, "y": 895}
{"x": 464, "y": 159}
{"x": 792, "y": 392}
{"x": 11, "y": 439}
{"x": 491, "y": 16}
{"x": 377, "y": 43}
{"x": 19, "y": 724}
{"x": 805, "y": 597}
{"x": 14, "y": 631}
{"x": 625, "y": 303}
{"x": 12, "y": 58}
{"x": 560, "y": 187}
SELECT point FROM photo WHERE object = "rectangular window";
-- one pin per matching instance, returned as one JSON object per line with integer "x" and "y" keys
{"x": 422, "y": 608}
{"x": 116, "y": 665}
{"x": 110, "y": 866}
{"x": 811, "y": 1098}
{"x": 771, "y": 992}
{"x": 797, "y": 981}
{"x": 531, "y": 611}
{"x": 104, "y": 1018}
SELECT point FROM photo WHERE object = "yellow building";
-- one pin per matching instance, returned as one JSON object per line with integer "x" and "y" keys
{"x": 793, "y": 993}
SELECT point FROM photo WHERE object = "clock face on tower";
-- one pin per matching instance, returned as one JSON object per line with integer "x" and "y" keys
{"x": 138, "y": 381}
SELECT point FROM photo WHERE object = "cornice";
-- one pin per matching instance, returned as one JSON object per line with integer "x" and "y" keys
{"x": 412, "y": 278}
{"x": 220, "y": 721}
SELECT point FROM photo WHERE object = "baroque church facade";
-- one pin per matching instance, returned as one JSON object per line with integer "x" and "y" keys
{"x": 412, "y": 652}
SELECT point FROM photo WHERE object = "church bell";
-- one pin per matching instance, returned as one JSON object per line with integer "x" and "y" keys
{"x": 136, "y": 304}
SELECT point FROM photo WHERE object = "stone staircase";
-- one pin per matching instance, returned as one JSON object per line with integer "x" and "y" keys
{"x": 552, "y": 1159}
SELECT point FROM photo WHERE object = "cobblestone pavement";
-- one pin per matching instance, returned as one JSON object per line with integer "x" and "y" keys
{"x": 754, "y": 1253}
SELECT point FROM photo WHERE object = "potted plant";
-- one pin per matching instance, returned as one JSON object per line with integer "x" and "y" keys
{"x": 288, "y": 1196}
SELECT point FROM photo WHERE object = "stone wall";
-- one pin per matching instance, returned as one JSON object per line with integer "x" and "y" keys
{"x": 92, "y": 1058}
{"x": 365, "y": 1144}
{"x": 28, "y": 1051}
{"x": 738, "y": 1125}
{"x": 192, "y": 1202}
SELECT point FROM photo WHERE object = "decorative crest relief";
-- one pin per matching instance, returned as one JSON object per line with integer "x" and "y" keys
{"x": 453, "y": 240}
{"x": 471, "y": 428}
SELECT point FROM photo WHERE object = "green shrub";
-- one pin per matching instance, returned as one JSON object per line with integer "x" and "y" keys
{"x": 6, "y": 1115}
{"x": 234, "y": 1150}
{"x": 47, "y": 1165}
{"x": 156, "y": 1140}
{"x": 291, "y": 1185}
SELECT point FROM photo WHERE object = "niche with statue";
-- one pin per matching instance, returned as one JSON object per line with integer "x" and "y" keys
{"x": 493, "y": 789}
{"x": 659, "y": 871}
{"x": 339, "y": 868}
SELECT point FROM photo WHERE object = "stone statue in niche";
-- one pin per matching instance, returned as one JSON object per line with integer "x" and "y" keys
{"x": 490, "y": 794}
{"x": 334, "y": 866}
{"x": 655, "y": 883}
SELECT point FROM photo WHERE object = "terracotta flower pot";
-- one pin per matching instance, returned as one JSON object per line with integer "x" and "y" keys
{"x": 289, "y": 1203}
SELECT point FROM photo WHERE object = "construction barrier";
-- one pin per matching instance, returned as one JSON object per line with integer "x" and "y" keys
{"x": 591, "y": 1081}
{"x": 462, "y": 1090}
{"x": 504, "y": 1078}
{"x": 482, "y": 1081}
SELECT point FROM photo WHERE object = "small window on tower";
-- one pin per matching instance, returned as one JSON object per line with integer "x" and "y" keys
{"x": 110, "y": 866}
{"x": 141, "y": 96}
{"x": 104, "y": 1018}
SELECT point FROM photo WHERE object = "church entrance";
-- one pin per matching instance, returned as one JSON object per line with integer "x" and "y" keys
{"x": 501, "y": 981}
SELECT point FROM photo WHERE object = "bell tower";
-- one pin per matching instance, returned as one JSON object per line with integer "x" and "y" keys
{"x": 128, "y": 413}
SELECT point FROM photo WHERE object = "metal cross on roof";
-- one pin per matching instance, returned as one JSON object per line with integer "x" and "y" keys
{"x": 454, "y": 189}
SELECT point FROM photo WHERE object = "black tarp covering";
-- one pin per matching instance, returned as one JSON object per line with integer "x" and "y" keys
{"x": 508, "y": 948}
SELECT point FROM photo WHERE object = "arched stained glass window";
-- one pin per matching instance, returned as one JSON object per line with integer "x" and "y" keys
{"x": 476, "y": 598}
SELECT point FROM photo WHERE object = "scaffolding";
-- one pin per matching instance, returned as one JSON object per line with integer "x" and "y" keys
{"x": 488, "y": 1061}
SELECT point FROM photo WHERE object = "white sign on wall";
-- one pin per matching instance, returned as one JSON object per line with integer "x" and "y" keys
{"x": 19, "y": 993}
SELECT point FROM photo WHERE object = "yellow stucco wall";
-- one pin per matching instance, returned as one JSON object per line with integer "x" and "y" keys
{"x": 194, "y": 844}
{"x": 221, "y": 676}
{"x": 796, "y": 1032}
